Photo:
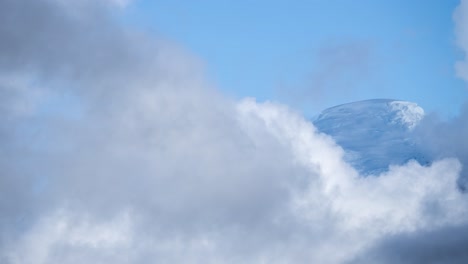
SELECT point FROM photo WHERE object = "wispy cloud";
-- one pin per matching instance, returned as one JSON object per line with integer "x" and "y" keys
{"x": 339, "y": 69}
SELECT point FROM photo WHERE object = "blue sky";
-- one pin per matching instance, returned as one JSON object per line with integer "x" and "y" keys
{"x": 315, "y": 54}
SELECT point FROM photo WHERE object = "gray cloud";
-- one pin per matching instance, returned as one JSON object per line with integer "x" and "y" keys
{"x": 443, "y": 245}
{"x": 116, "y": 150}
{"x": 446, "y": 138}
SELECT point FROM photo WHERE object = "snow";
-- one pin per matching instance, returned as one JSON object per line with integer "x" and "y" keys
{"x": 374, "y": 133}
{"x": 408, "y": 113}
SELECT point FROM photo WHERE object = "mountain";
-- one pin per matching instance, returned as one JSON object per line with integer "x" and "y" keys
{"x": 374, "y": 133}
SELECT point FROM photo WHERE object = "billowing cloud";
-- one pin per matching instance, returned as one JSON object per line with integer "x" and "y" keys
{"x": 446, "y": 138}
{"x": 115, "y": 149}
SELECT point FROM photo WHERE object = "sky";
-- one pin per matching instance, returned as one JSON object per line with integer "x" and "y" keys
{"x": 127, "y": 136}
{"x": 316, "y": 54}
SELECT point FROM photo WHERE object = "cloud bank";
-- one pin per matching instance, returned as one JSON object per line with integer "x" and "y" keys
{"x": 115, "y": 149}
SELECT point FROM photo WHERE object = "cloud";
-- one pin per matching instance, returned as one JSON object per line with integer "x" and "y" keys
{"x": 158, "y": 166}
{"x": 340, "y": 67}
{"x": 443, "y": 245}
{"x": 460, "y": 17}
{"x": 446, "y": 138}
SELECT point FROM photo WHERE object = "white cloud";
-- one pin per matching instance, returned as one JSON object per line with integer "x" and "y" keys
{"x": 76, "y": 235}
{"x": 160, "y": 167}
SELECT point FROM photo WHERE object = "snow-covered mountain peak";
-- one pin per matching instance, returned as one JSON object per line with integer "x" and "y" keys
{"x": 374, "y": 133}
